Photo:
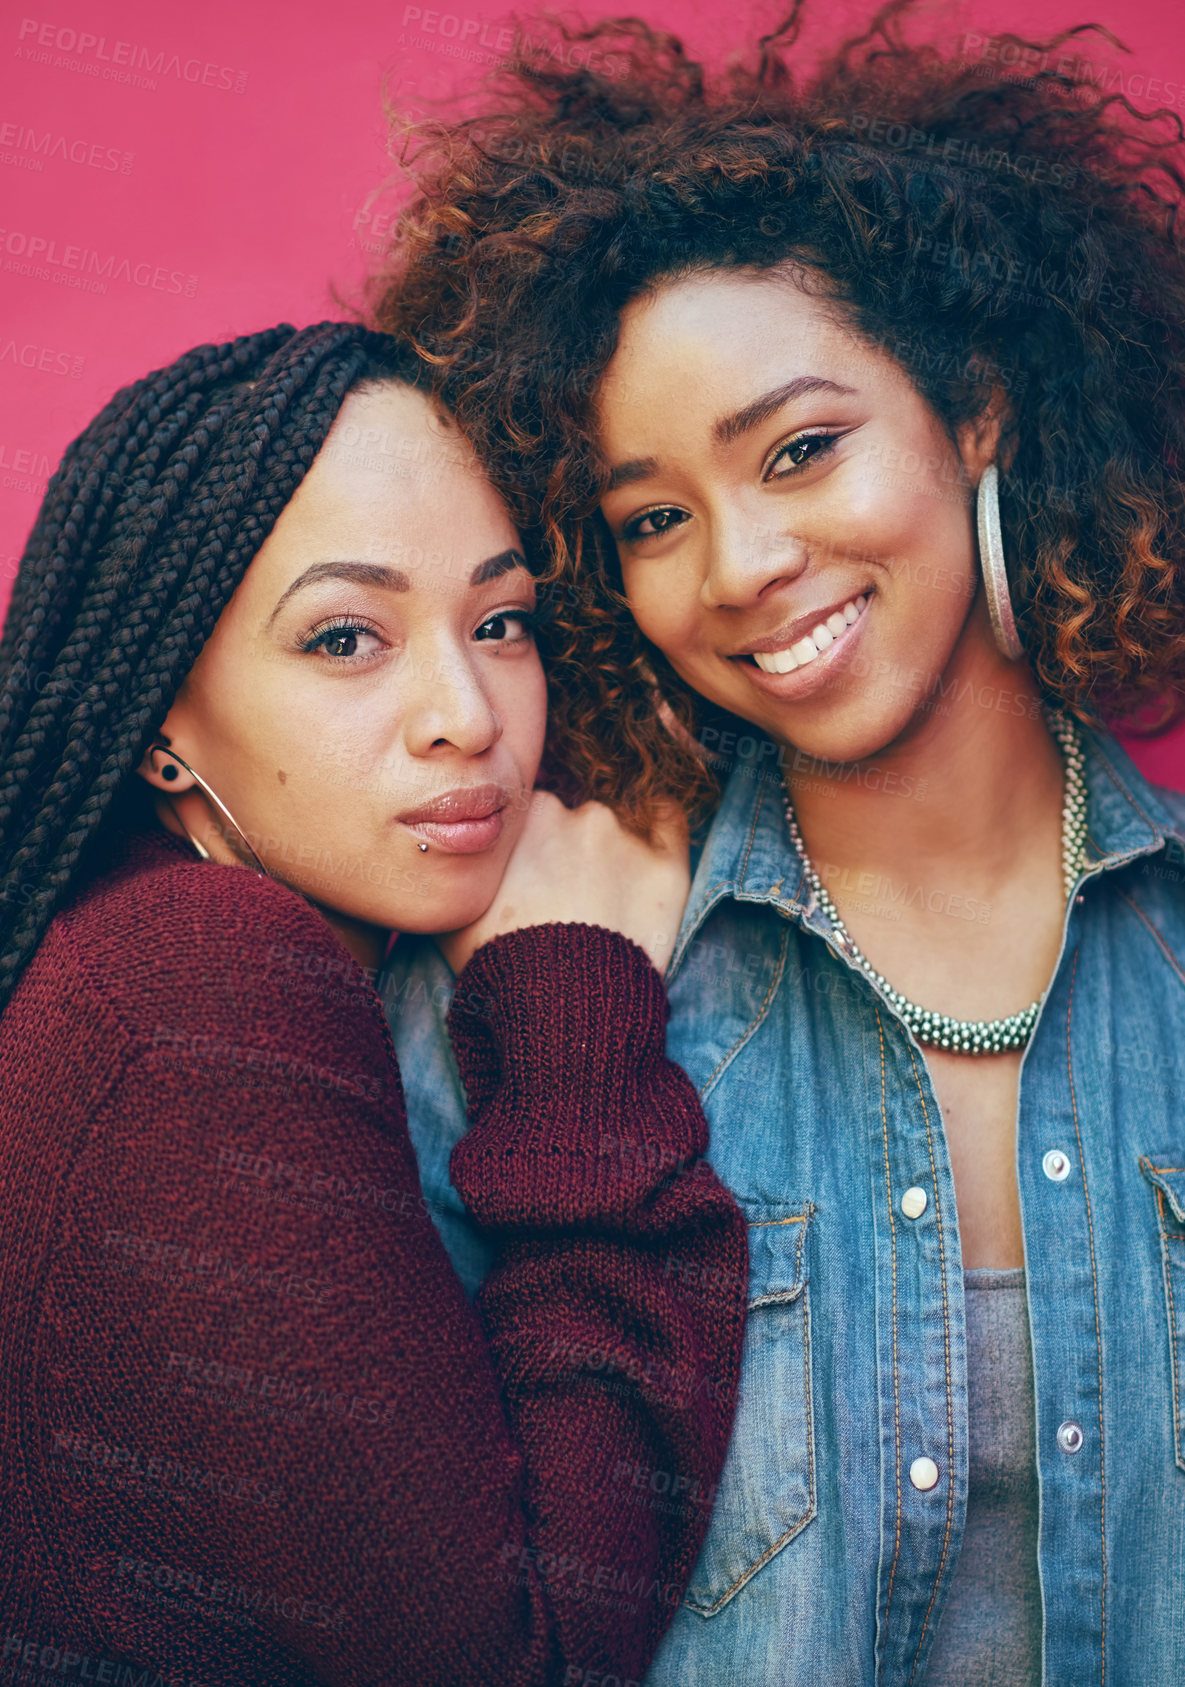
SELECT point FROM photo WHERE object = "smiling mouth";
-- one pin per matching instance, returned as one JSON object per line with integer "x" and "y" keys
{"x": 820, "y": 638}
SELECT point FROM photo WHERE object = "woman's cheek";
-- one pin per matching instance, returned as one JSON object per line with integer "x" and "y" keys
{"x": 664, "y": 614}
{"x": 538, "y": 736}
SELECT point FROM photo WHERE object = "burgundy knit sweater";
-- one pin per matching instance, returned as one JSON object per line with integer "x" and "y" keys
{"x": 252, "y": 1431}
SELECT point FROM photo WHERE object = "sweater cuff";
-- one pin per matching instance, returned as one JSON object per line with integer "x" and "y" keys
{"x": 577, "y": 1116}
{"x": 566, "y": 1011}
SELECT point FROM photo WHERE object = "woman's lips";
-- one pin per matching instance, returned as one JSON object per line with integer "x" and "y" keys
{"x": 811, "y": 668}
{"x": 798, "y": 653}
{"x": 459, "y": 837}
{"x": 463, "y": 821}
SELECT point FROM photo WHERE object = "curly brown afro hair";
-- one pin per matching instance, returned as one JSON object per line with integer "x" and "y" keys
{"x": 1002, "y": 219}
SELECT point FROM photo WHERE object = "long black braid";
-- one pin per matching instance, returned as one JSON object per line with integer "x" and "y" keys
{"x": 146, "y": 529}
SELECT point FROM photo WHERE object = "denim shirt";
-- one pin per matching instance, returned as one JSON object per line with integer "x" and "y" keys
{"x": 824, "y": 1562}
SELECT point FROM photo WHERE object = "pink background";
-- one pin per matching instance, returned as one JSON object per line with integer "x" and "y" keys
{"x": 208, "y": 170}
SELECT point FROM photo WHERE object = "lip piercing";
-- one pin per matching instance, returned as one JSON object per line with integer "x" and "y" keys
{"x": 422, "y": 846}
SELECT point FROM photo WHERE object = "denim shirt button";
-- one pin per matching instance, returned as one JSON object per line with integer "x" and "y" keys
{"x": 1056, "y": 1165}
{"x": 1069, "y": 1436}
{"x": 923, "y": 1473}
{"x": 913, "y": 1202}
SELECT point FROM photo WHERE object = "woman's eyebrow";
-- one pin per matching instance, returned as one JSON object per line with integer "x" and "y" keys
{"x": 360, "y": 573}
{"x": 391, "y": 579}
{"x": 638, "y": 468}
{"x": 730, "y": 428}
{"x": 495, "y": 565}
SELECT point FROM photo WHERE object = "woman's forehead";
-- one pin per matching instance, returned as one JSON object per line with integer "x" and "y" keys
{"x": 394, "y": 484}
{"x": 712, "y": 345}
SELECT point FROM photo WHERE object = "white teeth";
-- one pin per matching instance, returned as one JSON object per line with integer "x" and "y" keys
{"x": 820, "y": 637}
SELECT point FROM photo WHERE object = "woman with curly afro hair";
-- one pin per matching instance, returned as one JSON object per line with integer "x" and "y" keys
{"x": 847, "y": 403}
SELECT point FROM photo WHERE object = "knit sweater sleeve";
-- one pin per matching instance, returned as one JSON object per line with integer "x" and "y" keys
{"x": 253, "y": 1434}
{"x": 615, "y": 1306}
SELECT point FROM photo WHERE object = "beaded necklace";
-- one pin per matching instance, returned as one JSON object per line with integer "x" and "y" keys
{"x": 939, "y": 1030}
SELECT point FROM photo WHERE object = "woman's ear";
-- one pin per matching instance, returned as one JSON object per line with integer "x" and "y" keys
{"x": 989, "y": 437}
{"x": 162, "y": 771}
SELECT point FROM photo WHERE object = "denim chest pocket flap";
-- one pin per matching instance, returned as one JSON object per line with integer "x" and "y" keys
{"x": 1166, "y": 1174}
{"x": 766, "y": 1493}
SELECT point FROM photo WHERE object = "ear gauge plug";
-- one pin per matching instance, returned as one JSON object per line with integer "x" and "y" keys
{"x": 169, "y": 771}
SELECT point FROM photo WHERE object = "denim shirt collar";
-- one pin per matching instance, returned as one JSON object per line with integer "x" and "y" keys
{"x": 747, "y": 853}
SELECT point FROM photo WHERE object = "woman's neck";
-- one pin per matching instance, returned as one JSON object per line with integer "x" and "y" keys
{"x": 365, "y": 942}
{"x": 954, "y": 797}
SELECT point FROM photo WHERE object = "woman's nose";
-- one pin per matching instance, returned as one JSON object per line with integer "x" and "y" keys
{"x": 445, "y": 704}
{"x": 745, "y": 558}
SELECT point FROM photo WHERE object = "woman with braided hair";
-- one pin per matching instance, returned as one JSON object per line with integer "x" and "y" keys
{"x": 271, "y": 693}
{"x": 848, "y": 388}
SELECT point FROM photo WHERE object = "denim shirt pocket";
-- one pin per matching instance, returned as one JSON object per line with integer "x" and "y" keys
{"x": 766, "y": 1494}
{"x": 1166, "y": 1174}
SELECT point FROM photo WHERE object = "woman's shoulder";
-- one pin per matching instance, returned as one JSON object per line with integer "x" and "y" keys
{"x": 1174, "y": 802}
{"x": 169, "y": 943}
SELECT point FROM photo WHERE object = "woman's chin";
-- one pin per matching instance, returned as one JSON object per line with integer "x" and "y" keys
{"x": 453, "y": 908}
{"x": 854, "y": 727}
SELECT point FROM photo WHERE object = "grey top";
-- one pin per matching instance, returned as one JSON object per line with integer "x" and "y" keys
{"x": 990, "y": 1631}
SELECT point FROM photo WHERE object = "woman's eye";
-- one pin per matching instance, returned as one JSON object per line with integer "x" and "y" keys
{"x": 343, "y": 641}
{"x": 798, "y": 453}
{"x": 651, "y": 524}
{"x": 508, "y": 627}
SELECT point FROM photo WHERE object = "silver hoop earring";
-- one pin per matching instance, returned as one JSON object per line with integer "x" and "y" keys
{"x": 213, "y": 796}
{"x": 991, "y": 561}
